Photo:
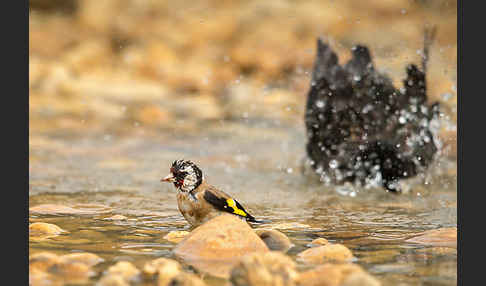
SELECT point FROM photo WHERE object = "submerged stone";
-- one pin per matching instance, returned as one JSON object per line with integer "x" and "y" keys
{"x": 446, "y": 237}
{"x": 363, "y": 130}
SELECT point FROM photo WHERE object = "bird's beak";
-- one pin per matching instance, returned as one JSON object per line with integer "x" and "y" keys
{"x": 169, "y": 178}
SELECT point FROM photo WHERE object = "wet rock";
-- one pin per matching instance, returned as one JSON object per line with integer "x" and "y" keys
{"x": 319, "y": 241}
{"x": 73, "y": 271}
{"x": 79, "y": 209}
{"x": 39, "y": 278}
{"x": 185, "y": 279}
{"x": 169, "y": 272}
{"x": 446, "y": 237}
{"x": 116, "y": 217}
{"x": 321, "y": 254}
{"x": 363, "y": 130}
{"x": 85, "y": 258}
{"x": 44, "y": 229}
{"x": 270, "y": 268}
{"x": 215, "y": 246}
{"x": 69, "y": 268}
{"x": 336, "y": 275}
{"x": 113, "y": 280}
{"x": 164, "y": 268}
{"x": 176, "y": 235}
{"x": 42, "y": 261}
{"x": 274, "y": 239}
{"x": 122, "y": 273}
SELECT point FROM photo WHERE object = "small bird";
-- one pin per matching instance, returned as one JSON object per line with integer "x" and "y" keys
{"x": 198, "y": 201}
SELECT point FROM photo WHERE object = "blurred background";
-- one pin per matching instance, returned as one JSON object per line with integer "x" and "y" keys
{"x": 122, "y": 66}
{"x": 118, "y": 90}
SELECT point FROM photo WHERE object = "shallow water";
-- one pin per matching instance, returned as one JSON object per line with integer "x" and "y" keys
{"x": 260, "y": 164}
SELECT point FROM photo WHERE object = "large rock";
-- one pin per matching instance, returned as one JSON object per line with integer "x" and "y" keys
{"x": 336, "y": 275}
{"x": 215, "y": 246}
{"x": 321, "y": 254}
{"x": 363, "y": 130}
{"x": 264, "y": 269}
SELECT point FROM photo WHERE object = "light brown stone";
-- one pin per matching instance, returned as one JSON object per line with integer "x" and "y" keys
{"x": 116, "y": 217}
{"x": 274, "y": 239}
{"x": 319, "y": 241}
{"x": 164, "y": 268}
{"x": 123, "y": 269}
{"x": 86, "y": 258}
{"x": 46, "y": 267}
{"x": 321, "y": 254}
{"x": 176, "y": 235}
{"x": 42, "y": 229}
{"x": 336, "y": 275}
{"x": 215, "y": 246}
{"x": 266, "y": 269}
{"x": 42, "y": 261}
{"x": 183, "y": 279}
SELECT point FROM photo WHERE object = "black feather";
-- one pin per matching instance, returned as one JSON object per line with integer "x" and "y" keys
{"x": 221, "y": 204}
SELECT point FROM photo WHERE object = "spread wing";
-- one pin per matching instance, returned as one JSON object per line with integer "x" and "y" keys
{"x": 227, "y": 204}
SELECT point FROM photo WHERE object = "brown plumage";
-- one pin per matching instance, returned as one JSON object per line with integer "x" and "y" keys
{"x": 198, "y": 201}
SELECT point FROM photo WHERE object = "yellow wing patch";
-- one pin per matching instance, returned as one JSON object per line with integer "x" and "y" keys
{"x": 236, "y": 210}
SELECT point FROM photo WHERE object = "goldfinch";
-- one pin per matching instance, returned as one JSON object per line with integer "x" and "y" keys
{"x": 198, "y": 201}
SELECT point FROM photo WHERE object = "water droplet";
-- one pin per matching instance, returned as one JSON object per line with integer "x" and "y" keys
{"x": 320, "y": 104}
{"x": 290, "y": 170}
{"x": 333, "y": 164}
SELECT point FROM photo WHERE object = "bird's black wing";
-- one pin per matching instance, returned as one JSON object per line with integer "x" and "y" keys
{"x": 227, "y": 204}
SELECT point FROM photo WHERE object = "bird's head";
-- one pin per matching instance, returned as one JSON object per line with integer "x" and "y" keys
{"x": 185, "y": 175}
